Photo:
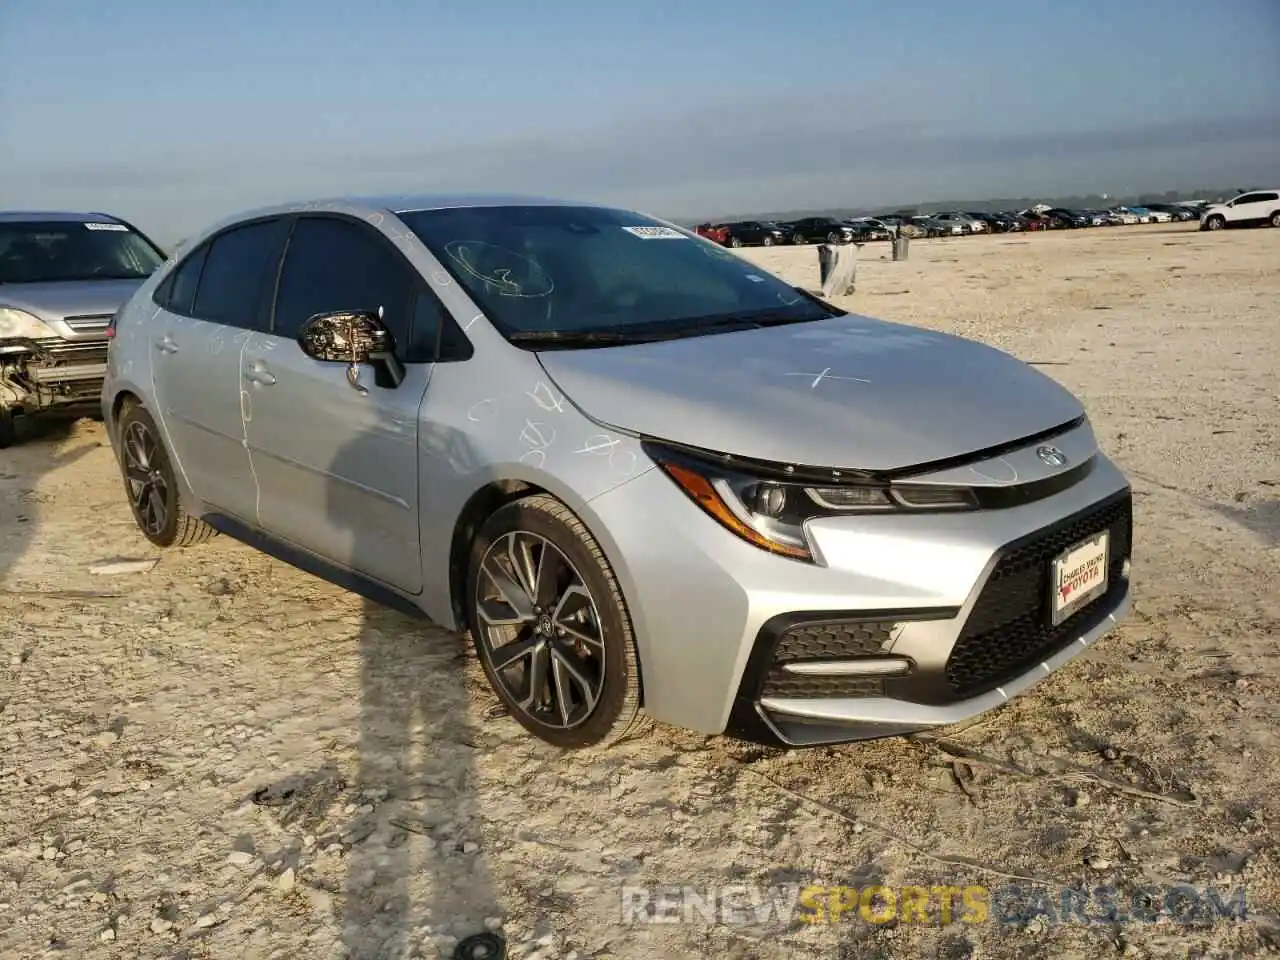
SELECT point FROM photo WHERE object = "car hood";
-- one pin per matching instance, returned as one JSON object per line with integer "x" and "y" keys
{"x": 847, "y": 392}
{"x": 55, "y": 301}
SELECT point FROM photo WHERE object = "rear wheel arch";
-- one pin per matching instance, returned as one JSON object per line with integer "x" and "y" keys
{"x": 125, "y": 398}
{"x": 121, "y": 403}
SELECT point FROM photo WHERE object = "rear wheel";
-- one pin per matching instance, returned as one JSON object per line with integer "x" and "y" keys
{"x": 797, "y": 239}
{"x": 1275, "y": 219}
{"x": 152, "y": 486}
{"x": 550, "y": 626}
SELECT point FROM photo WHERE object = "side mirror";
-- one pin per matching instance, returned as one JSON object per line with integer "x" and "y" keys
{"x": 355, "y": 338}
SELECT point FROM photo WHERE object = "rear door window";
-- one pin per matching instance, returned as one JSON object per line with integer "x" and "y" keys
{"x": 238, "y": 274}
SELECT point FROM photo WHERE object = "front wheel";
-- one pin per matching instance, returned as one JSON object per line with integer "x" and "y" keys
{"x": 767, "y": 241}
{"x": 735, "y": 242}
{"x": 550, "y": 626}
{"x": 1275, "y": 219}
{"x": 1216, "y": 222}
{"x": 152, "y": 486}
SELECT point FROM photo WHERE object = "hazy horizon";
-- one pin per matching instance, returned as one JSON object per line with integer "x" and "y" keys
{"x": 174, "y": 117}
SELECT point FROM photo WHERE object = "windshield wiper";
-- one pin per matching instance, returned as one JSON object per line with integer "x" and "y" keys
{"x": 577, "y": 338}
{"x": 745, "y": 321}
{"x": 660, "y": 330}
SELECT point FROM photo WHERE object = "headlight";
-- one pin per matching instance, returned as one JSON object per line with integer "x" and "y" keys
{"x": 19, "y": 323}
{"x": 765, "y": 507}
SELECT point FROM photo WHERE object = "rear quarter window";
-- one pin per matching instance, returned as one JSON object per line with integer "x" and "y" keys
{"x": 177, "y": 292}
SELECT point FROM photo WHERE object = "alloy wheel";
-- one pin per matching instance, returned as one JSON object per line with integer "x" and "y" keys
{"x": 148, "y": 490}
{"x": 540, "y": 630}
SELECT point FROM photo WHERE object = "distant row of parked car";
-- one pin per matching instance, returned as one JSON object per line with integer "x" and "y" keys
{"x": 746, "y": 233}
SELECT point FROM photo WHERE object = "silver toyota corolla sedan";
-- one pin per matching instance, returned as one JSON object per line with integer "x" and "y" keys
{"x": 642, "y": 472}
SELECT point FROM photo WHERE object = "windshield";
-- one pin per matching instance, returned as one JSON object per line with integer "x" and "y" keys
{"x": 56, "y": 251}
{"x": 569, "y": 270}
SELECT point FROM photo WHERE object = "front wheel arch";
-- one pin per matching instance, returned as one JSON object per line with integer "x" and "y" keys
{"x": 488, "y": 500}
{"x": 480, "y": 506}
{"x": 538, "y": 503}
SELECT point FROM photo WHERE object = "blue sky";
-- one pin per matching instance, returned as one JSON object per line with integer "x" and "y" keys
{"x": 173, "y": 114}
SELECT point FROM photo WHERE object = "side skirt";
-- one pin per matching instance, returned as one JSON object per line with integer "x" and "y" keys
{"x": 316, "y": 566}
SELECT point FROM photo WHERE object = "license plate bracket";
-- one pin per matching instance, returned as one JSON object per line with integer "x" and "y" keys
{"x": 1078, "y": 576}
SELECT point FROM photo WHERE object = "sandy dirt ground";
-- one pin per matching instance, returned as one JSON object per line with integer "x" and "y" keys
{"x": 224, "y": 757}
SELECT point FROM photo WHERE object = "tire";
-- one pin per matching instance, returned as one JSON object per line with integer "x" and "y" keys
{"x": 8, "y": 426}
{"x": 151, "y": 486}
{"x": 833, "y": 237}
{"x": 1275, "y": 219}
{"x": 608, "y": 662}
{"x": 1216, "y": 222}
{"x": 735, "y": 242}
{"x": 798, "y": 240}
{"x": 767, "y": 241}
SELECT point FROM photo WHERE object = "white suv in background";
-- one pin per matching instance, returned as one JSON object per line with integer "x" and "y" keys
{"x": 1253, "y": 209}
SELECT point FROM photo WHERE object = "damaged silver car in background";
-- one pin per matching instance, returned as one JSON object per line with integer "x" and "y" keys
{"x": 62, "y": 277}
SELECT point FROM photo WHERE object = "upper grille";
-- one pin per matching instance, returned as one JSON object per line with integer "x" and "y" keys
{"x": 1009, "y": 629}
{"x": 97, "y": 321}
{"x": 831, "y": 640}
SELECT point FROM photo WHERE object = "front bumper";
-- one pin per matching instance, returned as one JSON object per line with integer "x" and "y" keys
{"x": 734, "y": 640}
{"x": 55, "y": 373}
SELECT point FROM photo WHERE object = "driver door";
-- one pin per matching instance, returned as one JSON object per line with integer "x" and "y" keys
{"x": 337, "y": 468}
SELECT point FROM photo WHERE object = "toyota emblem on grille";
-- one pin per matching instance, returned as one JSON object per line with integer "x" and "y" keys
{"x": 1051, "y": 455}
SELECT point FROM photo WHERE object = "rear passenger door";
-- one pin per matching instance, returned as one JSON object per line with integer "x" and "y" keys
{"x": 209, "y": 306}
{"x": 337, "y": 470}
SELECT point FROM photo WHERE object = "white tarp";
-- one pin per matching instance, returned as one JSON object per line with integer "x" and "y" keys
{"x": 838, "y": 268}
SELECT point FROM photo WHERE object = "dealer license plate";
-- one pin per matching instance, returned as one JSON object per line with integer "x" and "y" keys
{"x": 1078, "y": 576}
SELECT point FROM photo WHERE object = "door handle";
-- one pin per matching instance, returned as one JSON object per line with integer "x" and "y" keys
{"x": 166, "y": 344}
{"x": 258, "y": 372}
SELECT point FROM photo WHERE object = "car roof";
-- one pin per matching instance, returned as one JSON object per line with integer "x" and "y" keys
{"x": 28, "y": 216}
{"x": 372, "y": 206}
{"x": 410, "y": 203}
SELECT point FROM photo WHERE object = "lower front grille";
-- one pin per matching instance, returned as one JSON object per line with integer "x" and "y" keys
{"x": 73, "y": 352}
{"x": 1009, "y": 629}
{"x": 827, "y": 640}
